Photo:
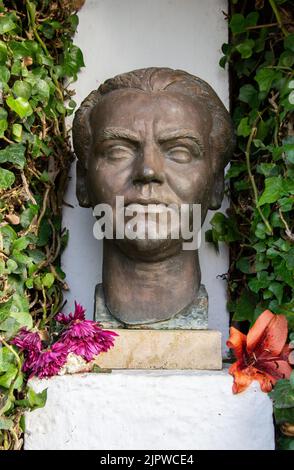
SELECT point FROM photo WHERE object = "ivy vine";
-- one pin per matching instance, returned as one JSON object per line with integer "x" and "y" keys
{"x": 38, "y": 63}
{"x": 259, "y": 226}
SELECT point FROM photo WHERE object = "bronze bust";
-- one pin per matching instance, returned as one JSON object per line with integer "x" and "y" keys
{"x": 153, "y": 135}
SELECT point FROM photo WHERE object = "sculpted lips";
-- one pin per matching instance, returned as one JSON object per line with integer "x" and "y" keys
{"x": 148, "y": 206}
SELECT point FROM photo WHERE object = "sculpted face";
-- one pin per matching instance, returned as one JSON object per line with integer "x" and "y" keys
{"x": 150, "y": 148}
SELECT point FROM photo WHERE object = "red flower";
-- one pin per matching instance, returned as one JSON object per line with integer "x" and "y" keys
{"x": 261, "y": 355}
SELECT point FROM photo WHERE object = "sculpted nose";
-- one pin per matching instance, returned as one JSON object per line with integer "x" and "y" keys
{"x": 149, "y": 168}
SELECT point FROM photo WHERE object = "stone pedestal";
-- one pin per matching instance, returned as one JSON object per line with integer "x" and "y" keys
{"x": 167, "y": 349}
{"x": 185, "y": 410}
{"x": 193, "y": 317}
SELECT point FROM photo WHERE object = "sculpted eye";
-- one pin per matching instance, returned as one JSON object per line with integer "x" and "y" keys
{"x": 118, "y": 152}
{"x": 179, "y": 154}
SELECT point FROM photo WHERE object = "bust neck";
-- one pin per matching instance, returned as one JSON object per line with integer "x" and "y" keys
{"x": 145, "y": 292}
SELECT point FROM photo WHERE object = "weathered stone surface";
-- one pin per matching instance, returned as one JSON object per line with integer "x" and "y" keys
{"x": 154, "y": 410}
{"x": 194, "y": 317}
{"x": 168, "y": 349}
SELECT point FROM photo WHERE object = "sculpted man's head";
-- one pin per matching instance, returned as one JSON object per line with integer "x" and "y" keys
{"x": 153, "y": 135}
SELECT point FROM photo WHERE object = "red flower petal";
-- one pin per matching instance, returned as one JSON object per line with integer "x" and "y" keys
{"x": 237, "y": 342}
{"x": 265, "y": 380}
{"x": 257, "y": 332}
{"x": 277, "y": 369}
{"x": 242, "y": 378}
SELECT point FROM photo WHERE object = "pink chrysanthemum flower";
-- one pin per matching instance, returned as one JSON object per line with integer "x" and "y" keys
{"x": 27, "y": 341}
{"x": 84, "y": 337}
{"x": 79, "y": 314}
{"x": 30, "y": 343}
{"x": 80, "y": 336}
{"x": 86, "y": 348}
{"x": 50, "y": 362}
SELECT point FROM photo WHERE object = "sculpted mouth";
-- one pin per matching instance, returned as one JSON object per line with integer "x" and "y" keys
{"x": 150, "y": 206}
{"x": 145, "y": 202}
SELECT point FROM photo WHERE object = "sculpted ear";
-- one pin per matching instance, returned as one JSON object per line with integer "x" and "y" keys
{"x": 217, "y": 190}
{"x": 81, "y": 186}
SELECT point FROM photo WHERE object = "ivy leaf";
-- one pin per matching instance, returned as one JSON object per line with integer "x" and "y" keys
{"x": 289, "y": 42}
{"x": 244, "y": 128}
{"x": 22, "y": 89}
{"x": 3, "y": 126}
{"x": 7, "y": 178}
{"x": 286, "y": 59}
{"x": 264, "y": 78}
{"x": 284, "y": 415}
{"x": 18, "y": 317}
{"x": 48, "y": 280}
{"x": 248, "y": 94}
{"x": 4, "y": 74}
{"x": 72, "y": 60}
{"x": 282, "y": 395}
{"x": 13, "y": 153}
{"x": 237, "y": 23}
{"x": 277, "y": 289}
{"x": 3, "y": 53}
{"x": 235, "y": 169}
{"x": 5, "y": 309}
{"x": 6, "y": 358}
{"x": 8, "y": 236}
{"x": 261, "y": 281}
{"x": 24, "y": 319}
{"x": 42, "y": 90}
{"x": 11, "y": 266}
{"x": 268, "y": 169}
{"x": 17, "y": 132}
{"x": 273, "y": 191}
{"x": 74, "y": 22}
{"x": 7, "y": 378}
{"x": 28, "y": 214}
{"x": 5, "y": 423}
{"x": 23, "y": 49}
{"x": 6, "y": 24}
{"x": 21, "y": 243}
{"x": 286, "y": 204}
{"x": 37, "y": 400}
{"x": 20, "y": 106}
{"x": 245, "y": 48}
{"x": 252, "y": 18}
{"x": 245, "y": 306}
{"x": 244, "y": 265}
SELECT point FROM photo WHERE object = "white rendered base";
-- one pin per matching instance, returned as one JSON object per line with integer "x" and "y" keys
{"x": 183, "y": 410}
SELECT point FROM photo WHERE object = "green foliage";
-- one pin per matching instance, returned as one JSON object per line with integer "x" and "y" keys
{"x": 37, "y": 61}
{"x": 260, "y": 56}
{"x": 259, "y": 223}
{"x": 283, "y": 399}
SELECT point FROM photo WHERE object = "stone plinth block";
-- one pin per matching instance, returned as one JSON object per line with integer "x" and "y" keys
{"x": 165, "y": 349}
{"x": 154, "y": 410}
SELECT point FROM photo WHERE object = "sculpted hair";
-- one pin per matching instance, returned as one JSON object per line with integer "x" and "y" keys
{"x": 152, "y": 80}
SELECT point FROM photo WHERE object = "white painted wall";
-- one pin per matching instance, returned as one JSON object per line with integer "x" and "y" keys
{"x": 154, "y": 410}
{"x": 117, "y": 36}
